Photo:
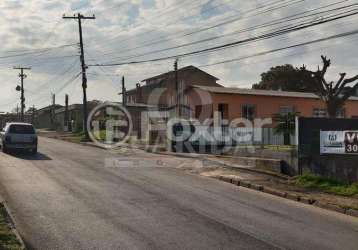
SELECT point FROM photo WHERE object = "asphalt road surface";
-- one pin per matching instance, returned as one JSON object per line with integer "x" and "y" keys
{"x": 80, "y": 197}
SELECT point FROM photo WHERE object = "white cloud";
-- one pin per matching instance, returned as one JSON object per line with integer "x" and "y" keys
{"x": 122, "y": 26}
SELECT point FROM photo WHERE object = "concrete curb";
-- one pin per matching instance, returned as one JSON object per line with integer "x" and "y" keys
{"x": 13, "y": 228}
{"x": 289, "y": 195}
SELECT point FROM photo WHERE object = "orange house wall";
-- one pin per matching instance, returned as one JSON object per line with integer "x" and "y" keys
{"x": 266, "y": 106}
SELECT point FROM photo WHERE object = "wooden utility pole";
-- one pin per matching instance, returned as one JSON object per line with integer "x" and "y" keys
{"x": 33, "y": 115}
{"x": 53, "y": 111}
{"x": 21, "y": 89}
{"x": 124, "y": 93}
{"x": 17, "y": 112}
{"x": 66, "y": 121}
{"x": 81, "y": 17}
{"x": 177, "y": 94}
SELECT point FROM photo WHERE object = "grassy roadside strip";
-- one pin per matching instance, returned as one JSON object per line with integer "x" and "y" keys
{"x": 309, "y": 200}
{"x": 327, "y": 185}
{"x": 8, "y": 239}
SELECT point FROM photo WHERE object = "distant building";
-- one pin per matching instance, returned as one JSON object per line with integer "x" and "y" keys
{"x": 44, "y": 117}
{"x": 53, "y": 116}
{"x": 160, "y": 90}
{"x": 75, "y": 115}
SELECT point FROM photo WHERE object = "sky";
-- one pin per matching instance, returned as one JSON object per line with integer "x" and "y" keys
{"x": 33, "y": 33}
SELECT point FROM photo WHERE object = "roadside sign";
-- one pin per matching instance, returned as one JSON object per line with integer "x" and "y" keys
{"x": 339, "y": 142}
{"x": 351, "y": 142}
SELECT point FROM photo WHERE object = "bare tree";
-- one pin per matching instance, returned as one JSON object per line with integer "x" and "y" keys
{"x": 334, "y": 94}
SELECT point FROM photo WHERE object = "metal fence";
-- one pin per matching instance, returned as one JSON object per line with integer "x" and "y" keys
{"x": 206, "y": 135}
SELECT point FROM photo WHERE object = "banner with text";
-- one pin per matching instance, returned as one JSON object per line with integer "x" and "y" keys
{"x": 339, "y": 142}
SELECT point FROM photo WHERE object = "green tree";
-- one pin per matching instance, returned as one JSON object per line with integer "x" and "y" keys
{"x": 286, "y": 125}
{"x": 286, "y": 78}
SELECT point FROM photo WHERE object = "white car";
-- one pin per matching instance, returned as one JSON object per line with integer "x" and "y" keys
{"x": 19, "y": 136}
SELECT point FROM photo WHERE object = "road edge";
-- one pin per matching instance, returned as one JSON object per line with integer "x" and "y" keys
{"x": 12, "y": 224}
{"x": 288, "y": 195}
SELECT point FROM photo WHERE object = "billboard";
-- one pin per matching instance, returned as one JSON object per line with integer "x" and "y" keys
{"x": 339, "y": 142}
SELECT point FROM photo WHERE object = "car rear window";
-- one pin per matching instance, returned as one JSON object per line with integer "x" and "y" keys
{"x": 22, "y": 129}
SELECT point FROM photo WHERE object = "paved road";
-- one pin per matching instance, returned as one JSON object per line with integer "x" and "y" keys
{"x": 77, "y": 197}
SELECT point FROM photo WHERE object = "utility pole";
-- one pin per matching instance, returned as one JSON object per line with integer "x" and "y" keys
{"x": 124, "y": 93}
{"x": 66, "y": 122}
{"x": 53, "y": 111}
{"x": 21, "y": 89}
{"x": 177, "y": 88}
{"x": 81, "y": 17}
{"x": 17, "y": 111}
{"x": 33, "y": 115}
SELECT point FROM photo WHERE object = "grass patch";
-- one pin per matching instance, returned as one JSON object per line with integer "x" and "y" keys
{"x": 78, "y": 134}
{"x": 77, "y": 137}
{"x": 327, "y": 185}
{"x": 101, "y": 135}
{"x": 280, "y": 147}
{"x": 8, "y": 240}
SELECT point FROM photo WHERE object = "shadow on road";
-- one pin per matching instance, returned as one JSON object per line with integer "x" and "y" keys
{"x": 27, "y": 156}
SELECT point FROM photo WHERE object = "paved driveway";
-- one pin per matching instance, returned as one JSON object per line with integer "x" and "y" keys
{"x": 77, "y": 197}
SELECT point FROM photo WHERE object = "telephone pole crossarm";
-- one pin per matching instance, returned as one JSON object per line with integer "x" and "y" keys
{"x": 78, "y": 16}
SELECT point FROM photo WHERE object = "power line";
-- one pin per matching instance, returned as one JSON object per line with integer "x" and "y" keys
{"x": 68, "y": 83}
{"x": 216, "y": 25}
{"x": 155, "y": 17}
{"x": 63, "y": 71}
{"x": 345, "y": 34}
{"x": 271, "y": 59}
{"x": 229, "y": 45}
{"x": 60, "y": 75}
{"x": 46, "y": 48}
{"x": 34, "y": 52}
{"x": 177, "y": 36}
{"x": 264, "y": 25}
{"x": 61, "y": 87}
{"x": 49, "y": 60}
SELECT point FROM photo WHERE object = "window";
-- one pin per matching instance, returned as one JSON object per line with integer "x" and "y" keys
{"x": 248, "y": 111}
{"x": 223, "y": 108}
{"x": 198, "y": 111}
{"x": 341, "y": 113}
{"x": 22, "y": 129}
{"x": 319, "y": 112}
{"x": 285, "y": 110}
